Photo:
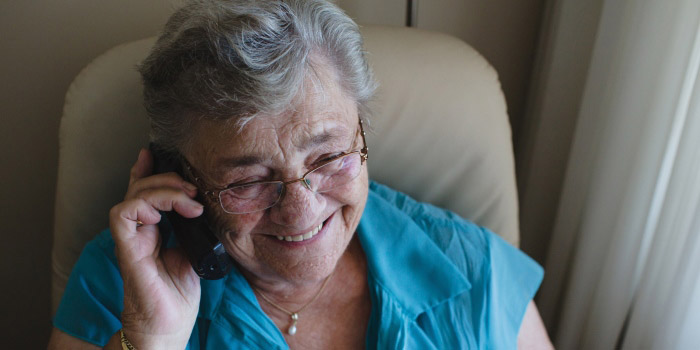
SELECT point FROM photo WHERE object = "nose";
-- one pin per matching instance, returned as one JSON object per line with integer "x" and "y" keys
{"x": 299, "y": 208}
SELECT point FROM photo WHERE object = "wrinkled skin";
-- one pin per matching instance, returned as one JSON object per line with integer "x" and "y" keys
{"x": 285, "y": 147}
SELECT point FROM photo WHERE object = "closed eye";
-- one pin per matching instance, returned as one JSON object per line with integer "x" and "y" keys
{"x": 328, "y": 158}
{"x": 331, "y": 157}
{"x": 246, "y": 182}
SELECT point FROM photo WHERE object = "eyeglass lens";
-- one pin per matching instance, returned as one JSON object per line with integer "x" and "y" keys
{"x": 259, "y": 196}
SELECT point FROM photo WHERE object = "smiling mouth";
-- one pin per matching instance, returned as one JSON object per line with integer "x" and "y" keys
{"x": 304, "y": 237}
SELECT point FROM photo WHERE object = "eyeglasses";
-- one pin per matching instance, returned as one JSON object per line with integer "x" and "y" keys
{"x": 260, "y": 195}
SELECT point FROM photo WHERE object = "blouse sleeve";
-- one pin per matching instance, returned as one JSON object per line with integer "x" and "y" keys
{"x": 93, "y": 298}
{"x": 514, "y": 279}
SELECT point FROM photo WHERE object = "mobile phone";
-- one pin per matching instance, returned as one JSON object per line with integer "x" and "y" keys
{"x": 195, "y": 236}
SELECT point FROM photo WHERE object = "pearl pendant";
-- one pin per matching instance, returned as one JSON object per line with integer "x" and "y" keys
{"x": 293, "y": 328}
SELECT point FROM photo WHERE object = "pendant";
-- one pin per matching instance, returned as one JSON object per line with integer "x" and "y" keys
{"x": 293, "y": 328}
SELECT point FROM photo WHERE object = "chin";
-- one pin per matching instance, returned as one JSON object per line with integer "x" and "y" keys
{"x": 314, "y": 260}
{"x": 310, "y": 260}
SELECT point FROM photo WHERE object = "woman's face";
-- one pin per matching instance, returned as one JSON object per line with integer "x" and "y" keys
{"x": 284, "y": 147}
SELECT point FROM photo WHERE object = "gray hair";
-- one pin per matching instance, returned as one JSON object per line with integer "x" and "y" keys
{"x": 232, "y": 60}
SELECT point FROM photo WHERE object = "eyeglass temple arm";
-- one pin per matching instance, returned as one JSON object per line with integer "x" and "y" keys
{"x": 364, "y": 152}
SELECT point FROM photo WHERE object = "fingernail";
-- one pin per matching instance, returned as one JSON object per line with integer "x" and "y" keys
{"x": 197, "y": 206}
{"x": 190, "y": 187}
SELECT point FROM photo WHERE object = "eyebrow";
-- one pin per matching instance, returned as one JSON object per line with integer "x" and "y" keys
{"x": 322, "y": 138}
{"x": 234, "y": 162}
{"x": 319, "y": 139}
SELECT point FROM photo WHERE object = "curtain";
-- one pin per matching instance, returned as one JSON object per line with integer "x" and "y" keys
{"x": 623, "y": 266}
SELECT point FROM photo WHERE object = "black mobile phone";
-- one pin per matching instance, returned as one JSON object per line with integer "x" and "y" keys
{"x": 204, "y": 250}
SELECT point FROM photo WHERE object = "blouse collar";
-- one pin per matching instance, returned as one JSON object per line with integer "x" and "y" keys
{"x": 404, "y": 261}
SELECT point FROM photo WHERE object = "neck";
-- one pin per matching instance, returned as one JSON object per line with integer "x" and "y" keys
{"x": 294, "y": 295}
{"x": 290, "y": 295}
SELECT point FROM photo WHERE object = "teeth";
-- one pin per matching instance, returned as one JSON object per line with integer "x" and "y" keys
{"x": 299, "y": 238}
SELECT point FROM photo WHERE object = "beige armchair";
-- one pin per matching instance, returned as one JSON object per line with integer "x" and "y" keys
{"x": 440, "y": 133}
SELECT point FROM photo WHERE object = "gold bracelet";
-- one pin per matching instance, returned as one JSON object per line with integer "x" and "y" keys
{"x": 126, "y": 344}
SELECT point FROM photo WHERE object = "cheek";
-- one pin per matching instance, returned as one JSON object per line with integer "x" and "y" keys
{"x": 356, "y": 196}
{"x": 362, "y": 188}
{"x": 233, "y": 227}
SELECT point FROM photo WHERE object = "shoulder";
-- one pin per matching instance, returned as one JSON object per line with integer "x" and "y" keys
{"x": 93, "y": 298}
{"x": 502, "y": 279}
{"x": 97, "y": 259}
{"x": 472, "y": 248}
{"x": 455, "y": 236}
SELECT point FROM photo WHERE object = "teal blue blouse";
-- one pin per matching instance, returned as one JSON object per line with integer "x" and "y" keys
{"x": 436, "y": 282}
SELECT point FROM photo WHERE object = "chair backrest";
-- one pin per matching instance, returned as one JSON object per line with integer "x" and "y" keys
{"x": 440, "y": 133}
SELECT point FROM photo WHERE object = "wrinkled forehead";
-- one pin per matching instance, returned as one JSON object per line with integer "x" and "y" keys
{"x": 321, "y": 108}
{"x": 320, "y": 103}
{"x": 322, "y": 115}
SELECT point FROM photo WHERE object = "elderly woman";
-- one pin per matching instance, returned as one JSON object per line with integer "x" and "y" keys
{"x": 263, "y": 105}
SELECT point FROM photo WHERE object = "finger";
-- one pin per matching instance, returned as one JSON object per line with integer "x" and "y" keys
{"x": 132, "y": 243}
{"x": 143, "y": 166}
{"x": 127, "y": 215}
{"x": 172, "y": 180}
{"x": 144, "y": 209}
{"x": 168, "y": 199}
{"x": 134, "y": 221}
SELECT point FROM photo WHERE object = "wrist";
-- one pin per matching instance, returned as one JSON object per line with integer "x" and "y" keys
{"x": 126, "y": 344}
{"x": 131, "y": 339}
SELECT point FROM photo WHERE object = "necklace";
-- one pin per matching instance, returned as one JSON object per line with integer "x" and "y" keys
{"x": 292, "y": 330}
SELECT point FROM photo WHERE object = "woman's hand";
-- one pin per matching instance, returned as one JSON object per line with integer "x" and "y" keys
{"x": 161, "y": 290}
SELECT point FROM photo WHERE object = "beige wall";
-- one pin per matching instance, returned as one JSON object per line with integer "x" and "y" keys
{"x": 387, "y": 12}
{"x": 504, "y": 31}
{"x": 44, "y": 44}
